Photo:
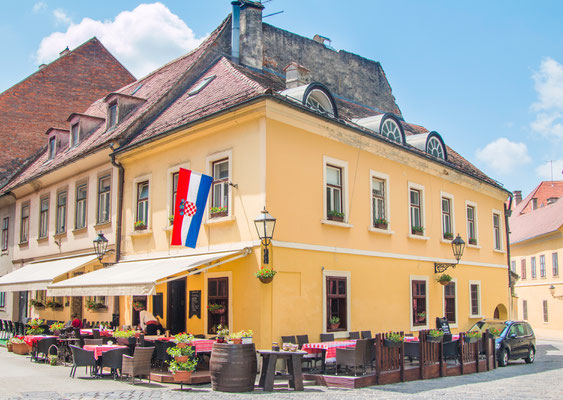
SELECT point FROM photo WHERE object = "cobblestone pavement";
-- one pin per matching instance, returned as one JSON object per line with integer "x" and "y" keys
{"x": 540, "y": 380}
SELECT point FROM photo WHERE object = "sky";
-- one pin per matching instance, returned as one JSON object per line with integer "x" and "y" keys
{"x": 486, "y": 75}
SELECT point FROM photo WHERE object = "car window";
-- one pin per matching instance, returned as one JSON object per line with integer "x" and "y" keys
{"x": 520, "y": 329}
{"x": 529, "y": 329}
{"x": 513, "y": 331}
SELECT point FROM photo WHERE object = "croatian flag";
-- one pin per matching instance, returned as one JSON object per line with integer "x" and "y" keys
{"x": 191, "y": 197}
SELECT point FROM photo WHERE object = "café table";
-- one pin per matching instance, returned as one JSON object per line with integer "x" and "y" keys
{"x": 328, "y": 350}
{"x": 267, "y": 375}
{"x": 100, "y": 349}
{"x": 32, "y": 340}
{"x": 64, "y": 350}
{"x": 104, "y": 332}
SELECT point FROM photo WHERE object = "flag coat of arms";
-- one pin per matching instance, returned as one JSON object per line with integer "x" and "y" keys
{"x": 191, "y": 198}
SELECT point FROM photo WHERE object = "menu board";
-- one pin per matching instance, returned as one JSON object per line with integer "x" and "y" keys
{"x": 444, "y": 325}
{"x": 195, "y": 303}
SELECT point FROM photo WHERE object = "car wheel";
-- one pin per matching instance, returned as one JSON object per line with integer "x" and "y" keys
{"x": 503, "y": 358}
{"x": 531, "y": 356}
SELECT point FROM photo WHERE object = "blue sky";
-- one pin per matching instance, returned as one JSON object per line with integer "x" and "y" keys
{"x": 487, "y": 75}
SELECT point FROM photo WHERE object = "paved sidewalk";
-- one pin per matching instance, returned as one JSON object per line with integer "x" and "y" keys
{"x": 543, "y": 379}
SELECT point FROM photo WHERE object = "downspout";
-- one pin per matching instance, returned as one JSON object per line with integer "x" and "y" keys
{"x": 118, "y": 227}
{"x": 507, "y": 214}
{"x": 235, "y": 32}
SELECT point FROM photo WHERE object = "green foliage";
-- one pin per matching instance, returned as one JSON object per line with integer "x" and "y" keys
{"x": 395, "y": 337}
{"x": 139, "y": 224}
{"x": 334, "y": 213}
{"x": 379, "y": 221}
{"x": 473, "y": 334}
{"x": 35, "y": 327}
{"x": 417, "y": 229}
{"x": 183, "y": 338}
{"x": 57, "y": 326}
{"x": 494, "y": 332}
{"x": 123, "y": 334}
{"x": 215, "y": 210}
{"x": 248, "y": 333}
{"x": 222, "y": 331}
{"x": 180, "y": 351}
{"x": 215, "y": 307}
{"x": 189, "y": 365}
{"x": 444, "y": 278}
{"x": 435, "y": 333}
{"x": 266, "y": 273}
{"x": 334, "y": 320}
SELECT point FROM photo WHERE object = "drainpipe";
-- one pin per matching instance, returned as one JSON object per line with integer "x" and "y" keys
{"x": 235, "y": 31}
{"x": 507, "y": 213}
{"x": 118, "y": 228}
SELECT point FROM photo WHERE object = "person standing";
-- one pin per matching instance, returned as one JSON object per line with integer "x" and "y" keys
{"x": 149, "y": 323}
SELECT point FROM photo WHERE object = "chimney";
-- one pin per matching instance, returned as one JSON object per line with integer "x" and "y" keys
{"x": 295, "y": 75}
{"x": 42, "y": 66}
{"x": 64, "y": 52}
{"x": 517, "y": 196}
{"x": 251, "y": 47}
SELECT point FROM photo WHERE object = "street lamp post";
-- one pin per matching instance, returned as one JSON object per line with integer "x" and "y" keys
{"x": 100, "y": 246}
{"x": 458, "y": 245}
{"x": 265, "y": 225}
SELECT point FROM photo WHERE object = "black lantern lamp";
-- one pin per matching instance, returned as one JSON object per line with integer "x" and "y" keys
{"x": 265, "y": 225}
{"x": 552, "y": 291}
{"x": 100, "y": 246}
{"x": 458, "y": 245}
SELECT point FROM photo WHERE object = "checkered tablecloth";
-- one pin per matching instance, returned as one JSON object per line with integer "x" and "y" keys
{"x": 30, "y": 340}
{"x": 105, "y": 332}
{"x": 98, "y": 350}
{"x": 330, "y": 348}
{"x": 203, "y": 345}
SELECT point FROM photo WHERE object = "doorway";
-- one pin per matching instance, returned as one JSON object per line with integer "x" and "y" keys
{"x": 176, "y": 309}
{"x": 76, "y": 307}
{"x": 22, "y": 312}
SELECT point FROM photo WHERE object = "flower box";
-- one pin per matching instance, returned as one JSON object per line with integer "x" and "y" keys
{"x": 237, "y": 340}
{"x": 336, "y": 218}
{"x": 471, "y": 339}
{"x": 418, "y": 233}
{"x": 381, "y": 226}
{"x": 448, "y": 236}
{"x": 218, "y": 311}
{"x": 140, "y": 227}
{"x": 219, "y": 214}
{"x": 434, "y": 339}
{"x": 391, "y": 343}
{"x": 20, "y": 348}
{"x": 246, "y": 340}
{"x": 473, "y": 242}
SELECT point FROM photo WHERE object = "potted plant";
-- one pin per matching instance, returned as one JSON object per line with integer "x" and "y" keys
{"x": 56, "y": 328}
{"x": 218, "y": 212}
{"x": 247, "y": 336}
{"x": 183, "y": 339}
{"x": 473, "y": 241}
{"x": 216, "y": 308}
{"x": 171, "y": 220}
{"x": 421, "y": 317}
{"x": 236, "y": 337}
{"x": 417, "y": 230}
{"x": 53, "y": 359}
{"x": 380, "y": 223}
{"x": 472, "y": 336}
{"x": 334, "y": 215}
{"x": 92, "y": 305}
{"x": 448, "y": 235}
{"x": 434, "y": 335}
{"x": 124, "y": 338}
{"x": 35, "y": 327}
{"x": 266, "y": 275}
{"x": 444, "y": 279}
{"x": 182, "y": 371}
{"x": 393, "y": 340}
{"x": 19, "y": 346}
{"x": 334, "y": 322}
{"x": 37, "y": 304}
{"x": 222, "y": 333}
{"x": 494, "y": 332}
{"x": 140, "y": 225}
{"x": 180, "y": 354}
{"x": 52, "y": 304}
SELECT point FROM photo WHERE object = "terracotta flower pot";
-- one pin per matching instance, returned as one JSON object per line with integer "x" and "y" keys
{"x": 20, "y": 348}
{"x": 334, "y": 326}
{"x": 9, "y": 347}
{"x": 237, "y": 341}
{"x": 181, "y": 358}
{"x": 381, "y": 226}
{"x": 444, "y": 283}
{"x": 181, "y": 345}
{"x": 182, "y": 376}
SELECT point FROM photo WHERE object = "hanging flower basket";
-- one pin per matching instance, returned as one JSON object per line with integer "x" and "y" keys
{"x": 266, "y": 275}
{"x": 266, "y": 279}
{"x": 215, "y": 308}
{"x": 218, "y": 311}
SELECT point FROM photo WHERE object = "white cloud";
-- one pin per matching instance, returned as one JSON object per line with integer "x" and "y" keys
{"x": 142, "y": 39}
{"x": 549, "y": 105}
{"x": 503, "y": 156}
{"x": 40, "y": 5}
{"x": 544, "y": 171}
{"x": 61, "y": 17}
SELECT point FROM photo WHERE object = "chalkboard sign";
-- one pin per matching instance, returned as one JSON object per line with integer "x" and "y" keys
{"x": 157, "y": 309}
{"x": 444, "y": 325}
{"x": 195, "y": 303}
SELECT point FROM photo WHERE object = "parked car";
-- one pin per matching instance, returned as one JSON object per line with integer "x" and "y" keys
{"x": 516, "y": 340}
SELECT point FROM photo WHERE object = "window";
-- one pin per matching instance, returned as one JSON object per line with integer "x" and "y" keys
{"x": 419, "y": 316}
{"x": 449, "y": 302}
{"x": 320, "y": 101}
{"x": 416, "y": 212}
{"x": 5, "y": 223}
{"x": 378, "y": 194}
{"x": 523, "y": 268}
{"x": 217, "y": 293}
{"x": 496, "y": 231}
{"x": 533, "y": 267}
{"x": 43, "y": 217}
{"x": 220, "y": 187}
{"x": 336, "y": 301}
{"x": 434, "y": 147}
{"x": 143, "y": 202}
{"x": 61, "y": 212}
{"x": 24, "y": 224}
{"x": 81, "y": 194}
{"x": 545, "y": 316}
{"x": 475, "y": 301}
{"x": 112, "y": 114}
{"x": 471, "y": 225}
{"x": 447, "y": 232}
{"x": 201, "y": 85}
{"x": 41, "y": 295}
{"x": 542, "y": 266}
{"x": 175, "y": 176}
{"x": 534, "y": 203}
{"x": 104, "y": 198}
{"x": 391, "y": 130}
{"x": 524, "y": 309}
{"x": 52, "y": 147}
{"x": 74, "y": 135}
{"x": 334, "y": 192}
{"x": 513, "y": 266}
{"x": 555, "y": 264}
{"x": 2, "y": 299}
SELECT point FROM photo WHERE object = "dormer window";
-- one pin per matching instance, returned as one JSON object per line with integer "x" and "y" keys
{"x": 52, "y": 147}
{"x": 74, "y": 135}
{"x": 201, "y": 85}
{"x": 112, "y": 115}
{"x": 434, "y": 147}
{"x": 318, "y": 100}
{"x": 315, "y": 96}
{"x": 391, "y": 130}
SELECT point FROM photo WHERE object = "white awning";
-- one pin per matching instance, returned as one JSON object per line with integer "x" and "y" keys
{"x": 129, "y": 278}
{"x": 37, "y": 275}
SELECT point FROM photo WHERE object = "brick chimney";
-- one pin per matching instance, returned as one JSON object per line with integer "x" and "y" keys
{"x": 517, "y": 196}
{"x": 296, "y": 75}
{"x": 251, "y": 47}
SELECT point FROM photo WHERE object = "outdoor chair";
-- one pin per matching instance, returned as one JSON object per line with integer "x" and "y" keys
{"x": 370, "y": 352}
{"x": 130, "y": 342}
{"x": 451, "y": 350}
{"x": 354, "y": 335}
{"x": 96, "y": 334}
{"x": 44, "y": 348}
{"x": 161, "y": 355}
{"x": 82, "y": 358}
{"x": 11, "y": 328}
{"x": 139, "y": 364}
{"x": 301, "y": 340}
{"x": 366, "y": 334}
{"x": 289, "y": 339}
{"x": 96, "y": 342}
{"x": 78, "y": 336}
{"x": 412, "y": 350}
{"x": 327, "y": 337}
{"x": 310, "y": 359}
{"x": 113, "y": 360}
{"x": 354, "y": 357}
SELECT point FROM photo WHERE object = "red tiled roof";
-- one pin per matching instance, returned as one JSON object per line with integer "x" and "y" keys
{"x": 544, "y": 191}
{"x": 537, "y": 222}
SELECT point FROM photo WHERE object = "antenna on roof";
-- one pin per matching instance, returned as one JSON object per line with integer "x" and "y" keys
{"x": 269, "y": 15}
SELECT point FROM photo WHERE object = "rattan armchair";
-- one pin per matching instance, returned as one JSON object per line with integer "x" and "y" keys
{"x": 139, "y": 364}
{"x": 354, "y": 357}
{"x": 82, "y": 358}
{"x": 97, "y": 342}
{"x": 327, "y": 337}
{"x": 113, "y": 359}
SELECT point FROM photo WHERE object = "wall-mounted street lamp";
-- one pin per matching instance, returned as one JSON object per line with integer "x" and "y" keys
{"x": 265, "y": 225}
{"x": 552, "y": 291}
{"x": 101, "y": 246}
{"x": 458, "y": 245}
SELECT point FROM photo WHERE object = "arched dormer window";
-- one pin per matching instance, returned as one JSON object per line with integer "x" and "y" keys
{"x": 390, "y": 129}
{"x": 385, "y": 124}
{"x": 434, "y": 147}
{"x": 318, "y": 97}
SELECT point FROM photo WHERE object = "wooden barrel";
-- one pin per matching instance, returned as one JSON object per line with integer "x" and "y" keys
{"x": 233, "y": 367}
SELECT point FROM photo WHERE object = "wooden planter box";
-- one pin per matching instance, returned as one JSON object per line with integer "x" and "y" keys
{"x": 20, "y": 348}
{"x": 418, "y": 233}
{"x": 391, "y": 343}
{"x": 140, "y": 227}
{"x": 335, "y": 218}
{"x": 219, "y": 214}
{"x": 470, "y": 339}
{"x": 381, "y": 226}
{"x": 434, "y": 339}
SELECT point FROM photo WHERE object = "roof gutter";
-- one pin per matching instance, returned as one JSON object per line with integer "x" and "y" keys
{"x": 119, "y": 217}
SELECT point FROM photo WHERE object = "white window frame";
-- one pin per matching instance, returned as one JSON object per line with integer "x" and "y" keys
{"x": 456, "y": 324}
{"x": 77, "y": 186}
{"x": 103, "y": 175}
{"x": 343, "y": 165}
{"x": 348, "y": 276}
{"x": 136, "y": 181}
{"x": 418, "y": 278}
{"x": 228, "y": 154}
{"x": 420, "y": 188}
{"x": 74, "y": 141}
{"x": 475, "y": 223}
{"x": 385, "y": 178}
{"x": 479, "y": 297}
{"x": 58, "y": 215}
{"x": 169, "y": 183}
{"x": 450, "y": 197}
{"x": 41, "y": 199}
{"x": 501, "y": 241}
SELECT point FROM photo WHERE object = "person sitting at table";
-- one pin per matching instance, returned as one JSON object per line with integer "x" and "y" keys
{"x": 149, "y": 323}
{"x": 76, "y": 323}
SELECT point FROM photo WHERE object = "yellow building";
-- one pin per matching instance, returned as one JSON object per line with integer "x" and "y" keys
{"x": 536, "y": 246}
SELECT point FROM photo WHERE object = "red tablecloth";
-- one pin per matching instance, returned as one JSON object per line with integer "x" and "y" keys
{"x": 330, "y": 348}
{"x": 30, "y": 340}
{"x": 108, "y": 333}
{"x": 99, "y": 349}
{"x": 203, "y": 345}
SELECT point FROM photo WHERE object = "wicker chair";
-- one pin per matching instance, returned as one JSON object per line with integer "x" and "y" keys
{"x": 327, "y": 337}
{"x": 78, "y": 336}
{"x": 97, "y": 342}
{"x": 412, "y": 350}
{"x": 96, "y": 334}
{"x": 43, "y": 347}
{"x": 354, "y": 335}
{"x": 289, "y": 339}
{"x": 366, "y": 334}
{"x": 113, "y": 359}
{"x": 82, "y": 358}
{"x": 356, "y": 357}
{"x": 161, "y": 355}
{"x": 139, "y": 364}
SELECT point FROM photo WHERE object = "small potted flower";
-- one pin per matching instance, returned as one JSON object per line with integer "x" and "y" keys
{"x": 380, "y": 223}
{"x": 37, "y": 304}
{"x": 421, "y": 317}
{"x": 183, "y": 339}
{"x": 247, "y": 336}
{"x": 140, "y": 225}
{"x": 266, "y": 275}
{"x": 222, "y": 333}
{"x": 19, "y": 346}
{"x": 417, "y": 230}
{"x": 334, "y": 215}
{"x": 472, "y": 336}
{"x": 182, "y": 371}
{"x": 334, "y": 322}
{"x": 35, "y": 327}
{"x": 448, "y": 235}
{"x": 434, "y": 336}
{"x": 236, "y": 337}
{"x": 218, "y": 212}
{"x": 171, "y": 220}
{"x": 180, "y": 354}
{"x": 494, "y": 332}
{"x": 216, "y": 308}
{"x": 393, "y": 340}
{"x": 444, "y": 279}
{"x": 56, "y": 328}
{"x": 473, "y": 241}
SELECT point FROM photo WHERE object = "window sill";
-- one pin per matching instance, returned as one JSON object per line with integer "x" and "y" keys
{"x": 59, "y": 235}
{"x": 103, "y": 225}
{"x": 476, "y": 316}
{"x": 340, "y": 334}
{"x": 23, "y": 244}
{"x": 418, "y": 237}
{"x": 43, "y": 239}
{"x": 335, "y": 223}
{"x": 416, "y": 328}
{"x": 499, "y": 251}
{"x": 446, "y": 241}
{"x": 473, "y": 246}
{"x": 80, "y": 230}
{"x": 220, "y": 220}
{"x": 382, "y": 231}
{"x": 144, "y": 232}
